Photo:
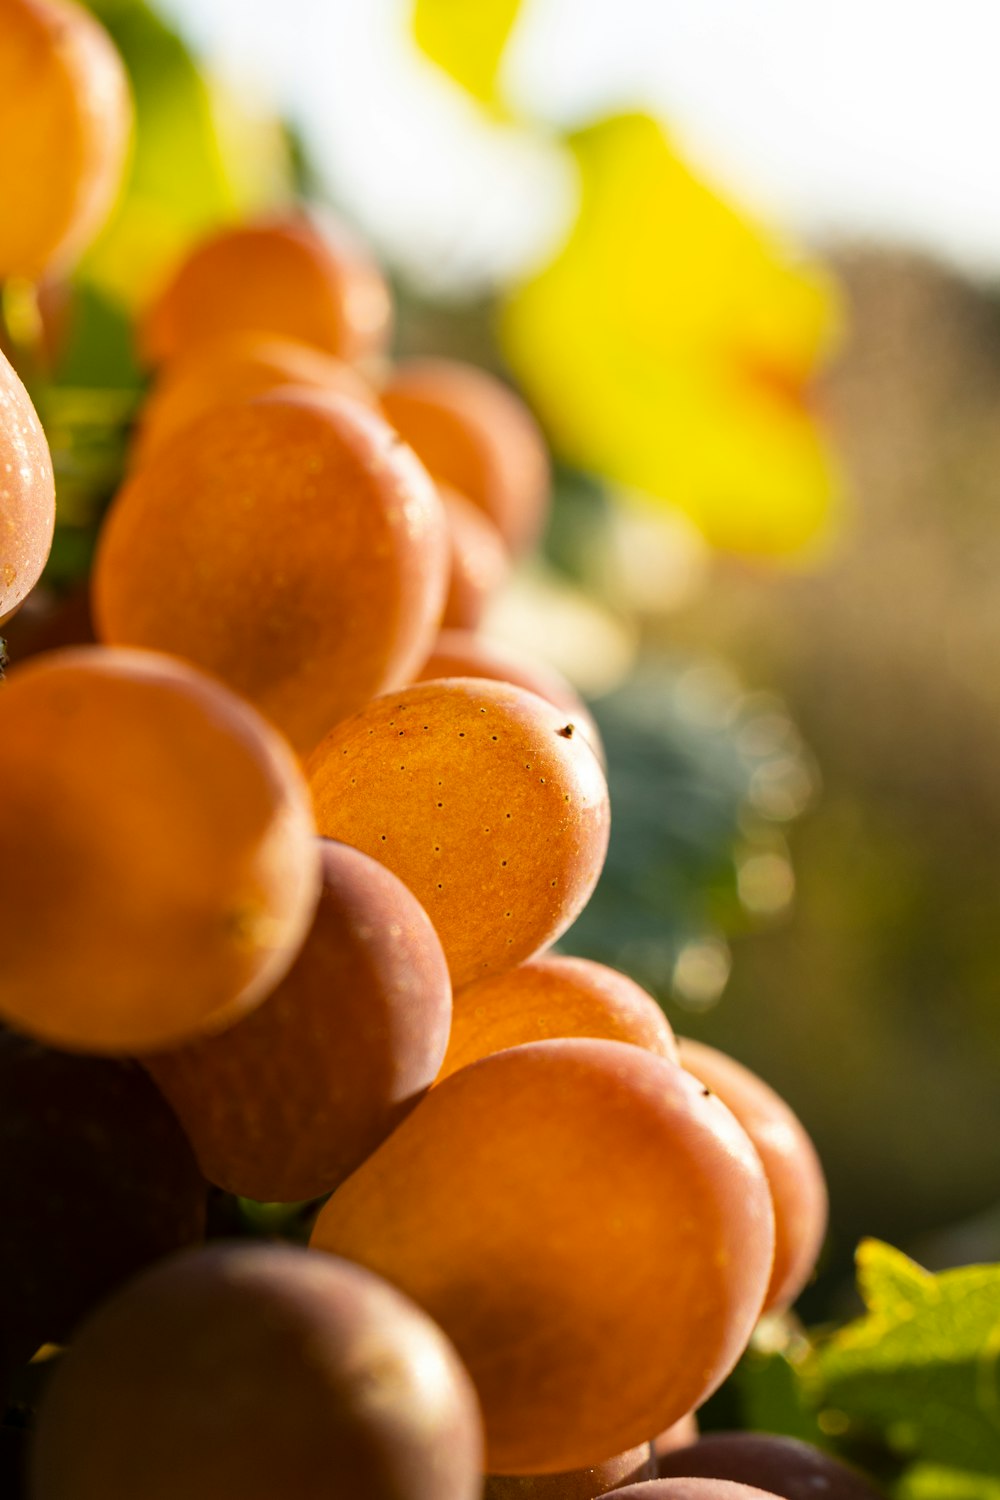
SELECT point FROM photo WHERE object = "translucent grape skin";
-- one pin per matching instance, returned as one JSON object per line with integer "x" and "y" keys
{"x": 793, "y": 1169}
{"x": 291, "y": 545}
{"x": 464, "y": 653}
{"x": 591, "y": 1229}
{"x": 480, "y": 562}
{"x": 258, "y": 1372}
{"x": 65, "y": 120}
{"x": 782, "y": 1466}
{"x": 285, "y": 1104}
{"x": 483, "y": 800}
{"x": 161, "y": 852}
{"x": 234, "y": 368}
{"x": 476, "y": 434}
{"x": 554, "y": 996}
{"x": 27, "y": 493}
{"x": 296, "y": 275}
{"x": 580, "y": 1484}
{"x": 97, "y": 1182}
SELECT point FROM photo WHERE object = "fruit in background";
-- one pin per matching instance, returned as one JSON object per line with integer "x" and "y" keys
{"x": 160, "y": 868}
{"x": 285, "y": 1104}
{"x": 295, "y": 275}
{"x": 554, "y": 997}
{"x": 579, "y": 1484}
{"x": 65, "y": 118}
{"x": 482, "y": 800}
{"x": 97, "y": 1182}
{"x": 27, "y": 492}
{"x": 781, "y": 1465}
{"x": 591, "y": 1229}
{"x": 258, "y": 1373}
{"x": 461, "y": 653}
{"x": 233, "y": 368}
{"x": 292, "y": 545}
{"x": 475, "y": 434}
{"x": 480, "y": 561}
{"x": 793, "y": 1169}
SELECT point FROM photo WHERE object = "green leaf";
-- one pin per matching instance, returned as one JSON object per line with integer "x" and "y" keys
{"x": 921, "y": 1369}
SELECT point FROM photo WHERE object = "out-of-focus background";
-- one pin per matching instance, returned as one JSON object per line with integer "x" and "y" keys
{"x": 740, "y": 259}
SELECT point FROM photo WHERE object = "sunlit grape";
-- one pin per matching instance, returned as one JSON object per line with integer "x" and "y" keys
{"x": 283, "y": 1105}
{"x": 65, "y": 119}
{"x": 554, "y": 996}
{"x": 793, "y": 1169}
{"x": 475, "y": 434}
{"x": 483, "y": 799}
{"x": 289, "y": 544}
{"x": 232, "y": 368}
{"x": 466, "y": 653}
{"x": 589, "y": 1226}
{"x": 159, "y": 865}
{"x": 293, "y": 275}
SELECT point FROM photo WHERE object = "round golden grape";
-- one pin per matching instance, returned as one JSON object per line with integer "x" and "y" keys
{"x": 286, "y": 1103}
{"x": 483, "y": 799}
{"x": 157, "y": 848}
{"x": 590, "y": 1227}
{"x": 291, "y": 545}
{"x": 294, "y": 275}
{"x": 65, "y": 122}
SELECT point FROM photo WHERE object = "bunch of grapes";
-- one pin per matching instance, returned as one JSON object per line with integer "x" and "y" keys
{"x": 284, "y": 853}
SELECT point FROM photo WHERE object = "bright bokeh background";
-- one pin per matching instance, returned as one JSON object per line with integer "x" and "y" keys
{"x": 857, "y": 120}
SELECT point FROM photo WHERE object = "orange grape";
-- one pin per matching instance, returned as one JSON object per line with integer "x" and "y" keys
{"x": 474, "y": 433}
{"x": 291, "y": 275}
{"x": 289, "y": 544}
{"x": 590, "y": 1227}
{"x": 65, "y": 120}
{"x": 97, "y": 1182}
{"x": 27, "y": 491}
{"x": 258, "y": 1372}
{"x": 483, "y": 801}
{"x": 782, "y": 1466}
{"x": 285, "y": 1104}
{"x": 480, "y": 561}
{"x": 160, "y": 869}
{"x": 579, "y": 1484}
{"x": 793, "y": 1169}
{"x": 463, "y": 653}
{"x": 554, "y": 996}
{"x": 233, "y": 368}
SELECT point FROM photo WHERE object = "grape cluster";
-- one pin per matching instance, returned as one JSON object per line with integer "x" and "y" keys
{"x": 282, "y": 866}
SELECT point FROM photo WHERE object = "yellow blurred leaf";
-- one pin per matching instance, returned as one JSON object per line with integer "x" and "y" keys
{"x": 670, "y": 347}
{"x": 466, "y": 38}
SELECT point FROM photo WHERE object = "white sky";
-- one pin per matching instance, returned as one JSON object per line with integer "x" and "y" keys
{"x": 858, "y": 118}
